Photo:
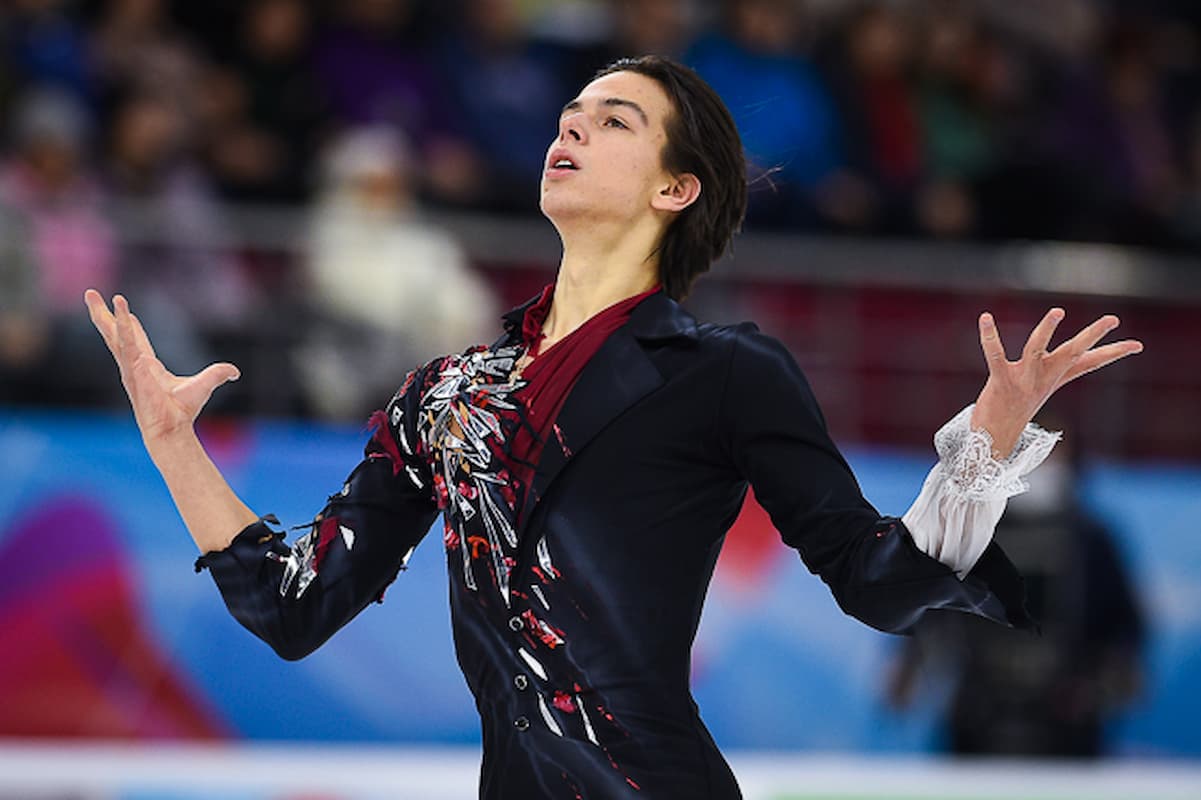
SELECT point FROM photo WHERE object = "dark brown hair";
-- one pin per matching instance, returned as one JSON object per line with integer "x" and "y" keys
{"x": 703, "y": 140}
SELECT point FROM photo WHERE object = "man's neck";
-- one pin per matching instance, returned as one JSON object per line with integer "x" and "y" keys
{"x": 595, "y": 273}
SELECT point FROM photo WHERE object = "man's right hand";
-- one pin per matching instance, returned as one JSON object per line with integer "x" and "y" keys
{"x": 164, "y": 404}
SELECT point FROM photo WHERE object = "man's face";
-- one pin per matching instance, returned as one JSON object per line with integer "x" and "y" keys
{"x": 606, "y": 163}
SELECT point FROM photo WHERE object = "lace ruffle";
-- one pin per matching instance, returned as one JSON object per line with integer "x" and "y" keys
{"x": 963, "y": 497}
{"x": 966, "y": 460}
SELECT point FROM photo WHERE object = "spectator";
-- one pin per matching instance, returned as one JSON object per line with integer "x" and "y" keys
{"x": 388, "y": 289}
{"x": 508, "y": 92}
{"x": 1079, "y": 146}
{"x": 56, "y": 199}
{"x": 875, "y": 88}
{"x": 658, "y": 27}
{"x": 1105, "y": 139}
{"x": 24, "y": 328}
{"x": 374, "y": 65}
{"x": 176, "y": 262}
{"x": 1017, "y": 694}
{"x": 782, "y": 107}
{"x": 47, "y": 46}
{"x": 49, "y": 182}
{"x": 639, "y": 27}
{"x": 9, "y": 80}
{"x": 236, "y": 154}
{"x": 958, "y": 125}
{"x": 1187, "y": 218}
{"x": 1017, "y": 189}
{"x": 135, "y": 48}
{"x": 267, "y": 113}
{"x": 1146, "y": 178}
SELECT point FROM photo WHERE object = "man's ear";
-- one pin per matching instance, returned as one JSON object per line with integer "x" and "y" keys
{"x": 679, "y": 194}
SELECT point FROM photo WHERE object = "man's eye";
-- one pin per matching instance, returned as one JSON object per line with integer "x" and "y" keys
{"x": 614, "y": 122}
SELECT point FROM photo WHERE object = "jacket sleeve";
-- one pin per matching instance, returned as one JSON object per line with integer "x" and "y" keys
{"x": 295, "y": 597}
{"x": 776, "y": 437}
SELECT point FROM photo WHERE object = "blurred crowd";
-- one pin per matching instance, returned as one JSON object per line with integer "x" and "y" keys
{"x": 132, "y": 126}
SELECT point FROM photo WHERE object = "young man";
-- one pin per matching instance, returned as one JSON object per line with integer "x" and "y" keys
{"x": 589, "y": 463}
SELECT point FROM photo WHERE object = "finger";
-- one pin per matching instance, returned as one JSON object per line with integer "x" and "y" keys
{"x": 1100, "y": 357}
{"x": 125, "y": 337}
{"x": 146, "y": 356}
{"x": 129, "y": 358}
{"x": 125, "y": 347}
{"x": 1040, "y": 337}
{"x": 106, "y": 324}
{"x": 217, "y": 374}
{"x": 131, "y": 337}
{"x": 1087, "y": 337}
{"x": 194, "y": 392}
{"x": 102, "y": 319}
{"x": 141, "y": 340}
{"x": 990, "y": 341}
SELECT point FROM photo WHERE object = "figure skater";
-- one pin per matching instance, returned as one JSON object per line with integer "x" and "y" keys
{"x": 588, "y": 463}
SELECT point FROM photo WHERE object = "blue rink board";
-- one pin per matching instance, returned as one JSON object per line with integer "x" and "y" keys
{"x": 779, "y": 667}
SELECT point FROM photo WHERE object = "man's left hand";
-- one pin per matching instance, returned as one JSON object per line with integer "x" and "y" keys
{"x": 1016, "y": 390}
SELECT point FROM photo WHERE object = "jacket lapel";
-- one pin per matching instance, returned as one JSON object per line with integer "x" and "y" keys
{"x": 617, "y": 377}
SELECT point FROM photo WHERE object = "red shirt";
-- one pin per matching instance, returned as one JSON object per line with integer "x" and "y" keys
{"x": 550, "y": 376}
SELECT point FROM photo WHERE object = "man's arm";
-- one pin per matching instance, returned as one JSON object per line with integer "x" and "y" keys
{"x": 777, "y": 439}
{"x": 294, "y": 598}
{"x": 165, "y": 407}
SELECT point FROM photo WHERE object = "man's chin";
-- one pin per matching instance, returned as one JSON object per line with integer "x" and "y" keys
{"x": 562, "y": 209}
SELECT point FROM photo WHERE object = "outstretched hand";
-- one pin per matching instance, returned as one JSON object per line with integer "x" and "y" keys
{"x": 1016, "y": 390}
{"x": 163, "y": 403}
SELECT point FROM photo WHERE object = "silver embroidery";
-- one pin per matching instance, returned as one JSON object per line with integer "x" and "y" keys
{"x": 461, "y": 426}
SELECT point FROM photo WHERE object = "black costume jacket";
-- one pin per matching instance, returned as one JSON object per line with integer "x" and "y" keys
{"x": 575, "y": 605}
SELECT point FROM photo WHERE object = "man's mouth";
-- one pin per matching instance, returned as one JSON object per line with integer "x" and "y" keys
{"x": 561, "y": 161}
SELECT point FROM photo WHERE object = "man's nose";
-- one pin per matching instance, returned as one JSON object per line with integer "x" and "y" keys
{"x": 572, "y": 127}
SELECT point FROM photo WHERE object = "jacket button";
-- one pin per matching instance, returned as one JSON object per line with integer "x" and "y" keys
{"x": 521, "y": 723}
{"x": 521, "y": 682}
{"x": 516, "y": 623}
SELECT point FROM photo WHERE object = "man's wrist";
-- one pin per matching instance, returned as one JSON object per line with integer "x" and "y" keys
{"x": 1002, "y": 431}
{"x": 177, "y": 447}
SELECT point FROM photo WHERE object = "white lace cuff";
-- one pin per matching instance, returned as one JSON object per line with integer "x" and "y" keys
{"x": 954, "y": 516}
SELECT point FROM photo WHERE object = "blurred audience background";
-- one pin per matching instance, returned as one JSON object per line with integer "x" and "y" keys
{"x": 920, "y": 117}
{"x": 179, "y": 151}
{"x": 928, "y": 107}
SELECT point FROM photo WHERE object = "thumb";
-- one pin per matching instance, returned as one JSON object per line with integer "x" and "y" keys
{"x": 216, "y": 374}
{"x": 194, "y": 392}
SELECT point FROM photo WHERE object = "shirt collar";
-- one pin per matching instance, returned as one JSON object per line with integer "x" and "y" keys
{"x": 656, "y": 317}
